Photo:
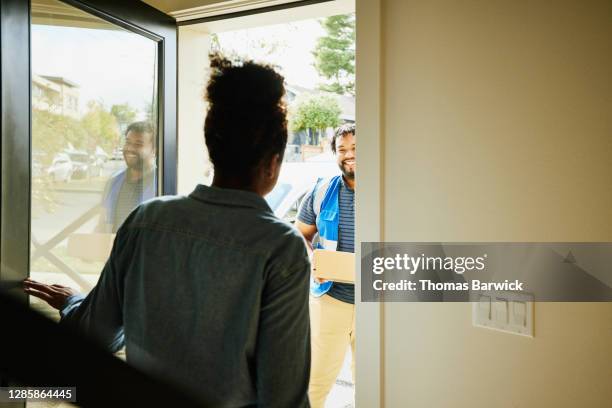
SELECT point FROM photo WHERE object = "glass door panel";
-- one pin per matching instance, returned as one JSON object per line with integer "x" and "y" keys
{"x": 94, "y": 140}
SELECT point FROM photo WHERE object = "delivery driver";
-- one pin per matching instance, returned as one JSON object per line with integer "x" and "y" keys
{"x": 329, "y": 211}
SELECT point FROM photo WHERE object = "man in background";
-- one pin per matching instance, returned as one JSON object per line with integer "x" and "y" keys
{"x": 134, "y": 184}
{"x": 329, "y": 211}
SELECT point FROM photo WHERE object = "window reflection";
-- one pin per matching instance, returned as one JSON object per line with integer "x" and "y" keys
{"x": 94, "y": 139}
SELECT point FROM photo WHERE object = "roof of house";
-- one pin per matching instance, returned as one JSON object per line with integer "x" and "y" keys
{"x": 60, "y": 80}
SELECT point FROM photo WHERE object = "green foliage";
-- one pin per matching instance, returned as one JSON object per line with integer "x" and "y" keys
{"x": 314, "y": 112}
{"x": 151, "y": 111}
{"x": 51, "y": 133}
{"x": 44, "y": 197}
{"x": 215, "y": 44}
{"x": 124, "y": 115}
{"x": 248, "y": 44}
{"x": 335, "y": 54}
{"x": 101, "y": 127}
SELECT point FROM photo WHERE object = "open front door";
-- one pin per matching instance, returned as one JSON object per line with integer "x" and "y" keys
{"x": 88, "y": 131}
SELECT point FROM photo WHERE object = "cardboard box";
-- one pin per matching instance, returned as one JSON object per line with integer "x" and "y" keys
{"x": 334, "y": 265}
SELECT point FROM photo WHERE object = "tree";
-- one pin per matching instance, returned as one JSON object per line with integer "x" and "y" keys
{"x": 254, "y": 44}
{"x": 51, "y": 133}
{"x": 314, "y": 114}
{"x": 335, "y": 54}
{"x": 101, "y": 127}
{"x": 215, "y": 44}
{"x": 124, "y": 114}
{"x": 150, "y": 111}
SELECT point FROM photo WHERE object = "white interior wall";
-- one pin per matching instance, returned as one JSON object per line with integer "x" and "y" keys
{"x": 193, "y": 164}
{"x": 496, "y": 124}
{"x": 368, "y": 227}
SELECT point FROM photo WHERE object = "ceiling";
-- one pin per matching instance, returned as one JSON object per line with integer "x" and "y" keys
{"x": 54, "y": 12}
{"x": 174, "y": 7}
{"x": 58, "y": 13}
{"x": 168, "y": 6}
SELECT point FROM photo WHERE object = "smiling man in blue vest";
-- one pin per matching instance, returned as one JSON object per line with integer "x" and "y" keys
{"x": 329, "y": 212}
{"x": 134, "y": 184}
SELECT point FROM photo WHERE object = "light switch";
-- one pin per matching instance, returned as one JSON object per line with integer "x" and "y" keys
{"x": 484, "y": 308}
{"x": 501, "y": 310}
{"x": 519, "y": 314}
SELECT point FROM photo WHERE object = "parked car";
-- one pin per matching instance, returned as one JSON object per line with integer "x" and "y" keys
{"x": 293, "y": 153}
{"x": 80, "y": 164}
{"x": 97, "y": 161}
{"x": 61, "y": 168}
{"x": 117, "y": 155}
{"x": 285, "y": 199}
{"x": 295, "y": 180}
{"x": 95, "y": 166}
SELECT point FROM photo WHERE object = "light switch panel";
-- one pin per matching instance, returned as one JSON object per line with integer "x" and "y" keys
{"x": 484, "y": 308}
{"x": 501, "y": 311}
{"x": 509, "y": 312}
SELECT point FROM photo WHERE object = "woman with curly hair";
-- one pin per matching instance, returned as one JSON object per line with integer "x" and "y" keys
{"x": 210, "y": 291}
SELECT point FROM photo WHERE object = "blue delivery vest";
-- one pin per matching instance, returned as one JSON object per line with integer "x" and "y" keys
{"x": 109, "y": 201}
{"x": 327, "y": 212}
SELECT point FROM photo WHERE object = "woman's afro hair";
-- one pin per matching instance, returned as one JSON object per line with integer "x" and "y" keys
{"x": 246, "y": 122}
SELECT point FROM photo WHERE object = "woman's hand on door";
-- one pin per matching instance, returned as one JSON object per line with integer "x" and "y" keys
{"x": 54, "y": 295}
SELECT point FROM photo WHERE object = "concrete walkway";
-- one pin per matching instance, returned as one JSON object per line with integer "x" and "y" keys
{"x": 343, "y": 393}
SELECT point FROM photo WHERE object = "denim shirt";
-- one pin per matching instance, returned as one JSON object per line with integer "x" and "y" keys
{"x": 210, "y": 292}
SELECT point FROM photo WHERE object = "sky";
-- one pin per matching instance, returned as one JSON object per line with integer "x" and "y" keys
{"x": 292, "y": 45}
{"x": 116, "y": 66}
{"x": 113, "y": 66}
